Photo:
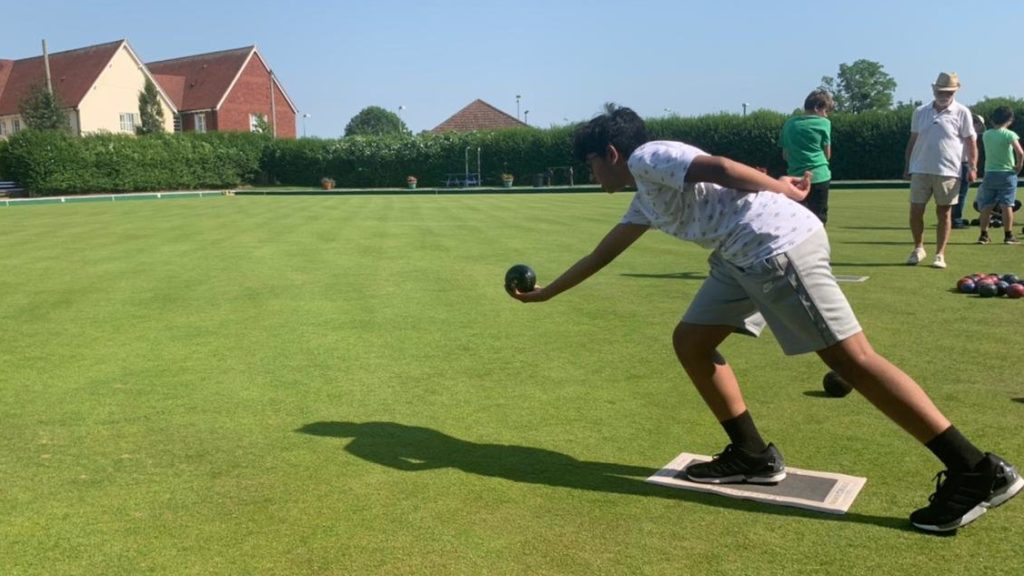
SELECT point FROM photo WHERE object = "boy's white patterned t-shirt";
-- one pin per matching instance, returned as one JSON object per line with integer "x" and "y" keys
{"x": 744, "y": 227}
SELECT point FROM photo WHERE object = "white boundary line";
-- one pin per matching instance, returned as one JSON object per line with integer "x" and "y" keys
{"x": 84, "y": 198}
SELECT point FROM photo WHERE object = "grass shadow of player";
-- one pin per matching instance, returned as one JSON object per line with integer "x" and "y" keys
{"x": 897, "y": 228}
{"x": 819, "y": 394}
{"x": 868, "y": 265}
{"x": 670, "y": 276}
{"x": 1019, "y": 400}
{"x": 415, "y": 449}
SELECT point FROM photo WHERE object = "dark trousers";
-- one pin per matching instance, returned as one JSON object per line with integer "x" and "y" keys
{"x": 958, "y": 209}
{"x": 817, "y": 200}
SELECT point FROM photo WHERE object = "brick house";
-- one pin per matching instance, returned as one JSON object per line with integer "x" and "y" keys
{"x": 226, "y": 91}
{"x": 98, "y": 85}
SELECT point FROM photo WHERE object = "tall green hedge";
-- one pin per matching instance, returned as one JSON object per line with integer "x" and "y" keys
{"x": 866, "y": 146}
{"x": 54, "y": 163}
{"x": 363, "y": 161}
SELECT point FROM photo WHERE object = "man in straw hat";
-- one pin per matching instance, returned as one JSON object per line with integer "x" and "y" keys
{"x": 941, "y": 134}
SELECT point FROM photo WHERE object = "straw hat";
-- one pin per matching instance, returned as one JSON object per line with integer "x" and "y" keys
{"x": 946, "y": 82}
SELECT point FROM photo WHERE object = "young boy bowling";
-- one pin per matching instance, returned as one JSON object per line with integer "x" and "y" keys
{"x": 769, "y": 265}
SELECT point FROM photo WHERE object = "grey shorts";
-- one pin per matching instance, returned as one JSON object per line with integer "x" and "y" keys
{"x": 793, "y": 292}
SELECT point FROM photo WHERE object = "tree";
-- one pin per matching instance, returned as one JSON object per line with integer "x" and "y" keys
{"x": 263, "y": 125}
{"x": 42, "y": 110}
{"x": 151, "y": 112}
{"x": 861, "y": 86}
{"x": 375, "y": 121}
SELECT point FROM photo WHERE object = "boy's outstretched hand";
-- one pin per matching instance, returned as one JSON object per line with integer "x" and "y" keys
{"x": 798, "y": 188}
{"x": 535, "y": 295}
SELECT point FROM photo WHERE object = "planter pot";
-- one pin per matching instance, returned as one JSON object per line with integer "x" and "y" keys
{"x": 506, "y": 183}
{"x": 411, "y": 185}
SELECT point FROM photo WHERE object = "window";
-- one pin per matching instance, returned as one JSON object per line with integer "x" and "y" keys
{"x": 200, "y": 122}
{"x": 15, "y": 125}
{"x": 257, "y": 122}
{"x": 177, "y": 123}
{"x": 3, "y": 127}
{"x": 128, "y": 122}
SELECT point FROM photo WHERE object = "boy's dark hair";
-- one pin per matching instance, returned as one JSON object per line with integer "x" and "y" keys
{"x": 1002, "y": 115}
{"x": 618, "y": 126}
{"x": 819, "y": 100}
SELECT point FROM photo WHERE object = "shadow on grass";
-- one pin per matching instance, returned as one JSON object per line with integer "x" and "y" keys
{"x": 821, "y": 394}
{"x": 871, "y": 264}
{"x": 414, "y": 449}
{"x": 874, "y": 242}
{"x": 671, "y": 276}
{"x": 904, "y": 228}
{"x": 1019, "y": 400}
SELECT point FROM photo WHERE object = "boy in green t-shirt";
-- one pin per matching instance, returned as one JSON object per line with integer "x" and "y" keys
{"x": 806, "y": 143}
{"x": 1004, "y": 158}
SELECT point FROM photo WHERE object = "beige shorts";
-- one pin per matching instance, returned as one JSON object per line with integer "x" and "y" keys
{"x": 794, "y": 293}
{"x": 945, "y": 189}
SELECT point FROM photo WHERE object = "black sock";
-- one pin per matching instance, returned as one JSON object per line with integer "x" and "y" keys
{"x": 743, "y": 434}
{"x": 955, "y": 451}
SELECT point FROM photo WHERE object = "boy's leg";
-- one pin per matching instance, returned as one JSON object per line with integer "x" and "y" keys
{"x": 983, "y": 222}
{"x": 697, "y": 350}
{"x": 973, "y": 482}
{"x": 817, "y": 200}
{"x": 1009, "y": 201}
{"x": 747, "y": 458}
{"x": 891, "y": 390}
{"x": 958, "y": 208}
{"x": 720, "y": 308}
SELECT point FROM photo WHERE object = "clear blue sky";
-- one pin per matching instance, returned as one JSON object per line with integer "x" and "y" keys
{"x": 564, "y": 57}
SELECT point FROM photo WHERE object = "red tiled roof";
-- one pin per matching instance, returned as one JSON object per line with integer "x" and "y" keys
{"x": 5, "y": 73}
{"x": 478, "y": 115}
{"x": 72, "y": 73}
{"x": 200, "y": 82}
{"x": 173, "y": 86}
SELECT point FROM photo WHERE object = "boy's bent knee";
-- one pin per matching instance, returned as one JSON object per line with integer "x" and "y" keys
{"x": 693, "y": 342}
{"x": 849, "y": 356}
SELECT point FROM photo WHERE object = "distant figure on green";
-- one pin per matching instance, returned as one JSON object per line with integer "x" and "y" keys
{"x": 806, "y": 142}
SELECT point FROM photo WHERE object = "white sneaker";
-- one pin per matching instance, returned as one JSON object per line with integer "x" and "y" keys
{"x": 940, "y": 261}
{"x": 916, "y": 256}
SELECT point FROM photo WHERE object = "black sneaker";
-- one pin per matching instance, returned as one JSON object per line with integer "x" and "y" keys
{"x": 736, "y": 465}
{"x": 960, "y": 499}
{"x": 1010, "y": 239}
{"x": 984, "y": 239}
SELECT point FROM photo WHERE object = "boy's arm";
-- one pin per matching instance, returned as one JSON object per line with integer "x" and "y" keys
{"x": 731, "y": 174}
{"x": 1018, "y": 156}
{"x": 615, "y": 241}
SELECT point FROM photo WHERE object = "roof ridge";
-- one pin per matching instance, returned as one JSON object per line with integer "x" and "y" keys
{"x": 82, "y": 49}
{"x": 204, "y": 55}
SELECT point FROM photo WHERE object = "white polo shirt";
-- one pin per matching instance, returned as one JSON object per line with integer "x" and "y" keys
{"x": 743, "y": 227}
{"x": 939, "y": 148}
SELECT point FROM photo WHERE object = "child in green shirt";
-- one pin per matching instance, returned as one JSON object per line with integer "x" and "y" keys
{"x": 806, "y": 142}
{"x": 1004, "y": 159}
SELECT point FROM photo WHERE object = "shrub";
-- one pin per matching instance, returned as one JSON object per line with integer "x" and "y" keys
{"x": 55, "y": 163}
